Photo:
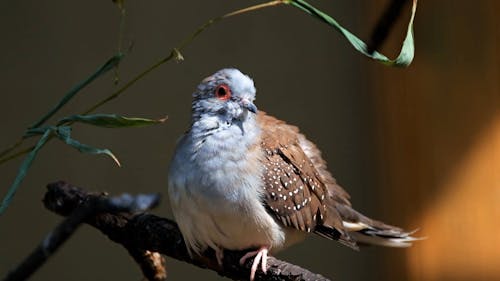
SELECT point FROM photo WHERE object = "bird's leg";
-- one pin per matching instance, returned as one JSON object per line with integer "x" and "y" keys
{"x": 219, "y": 255}
{"x": 260, "y": 257}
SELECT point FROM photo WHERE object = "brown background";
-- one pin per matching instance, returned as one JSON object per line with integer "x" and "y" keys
{"x": 417, "y": 147}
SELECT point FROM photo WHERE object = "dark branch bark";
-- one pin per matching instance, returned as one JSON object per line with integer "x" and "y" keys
{"x": 145, "y": 235}
{"x": 80, "y": 210}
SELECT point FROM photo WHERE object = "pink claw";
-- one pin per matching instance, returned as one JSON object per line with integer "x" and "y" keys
{"x": 260, "y": 257}
{"x": 219, "y": 255}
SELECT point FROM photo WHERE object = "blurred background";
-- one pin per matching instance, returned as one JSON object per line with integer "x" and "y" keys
{"x": 417, "y": 147}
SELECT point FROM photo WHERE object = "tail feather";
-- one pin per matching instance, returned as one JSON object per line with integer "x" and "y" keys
{"x": 382, "y": 237}
{"x": 364, "y": 230}
{"x": 398, "y": 242}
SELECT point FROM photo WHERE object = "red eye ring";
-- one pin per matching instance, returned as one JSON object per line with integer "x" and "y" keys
{"x": 222, "y": 92}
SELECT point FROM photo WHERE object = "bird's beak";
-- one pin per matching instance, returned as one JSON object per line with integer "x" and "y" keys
{"x": 249, "y": 105}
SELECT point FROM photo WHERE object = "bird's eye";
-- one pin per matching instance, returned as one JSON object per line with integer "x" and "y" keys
{"x": 222, "y": 92}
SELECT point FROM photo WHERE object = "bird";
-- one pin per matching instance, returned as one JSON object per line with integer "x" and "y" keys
{"x": 240, "y": 179}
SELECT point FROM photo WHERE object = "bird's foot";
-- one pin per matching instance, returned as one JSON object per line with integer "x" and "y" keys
{"x": 260, "y": 257}
{"x": 219, "y": 255}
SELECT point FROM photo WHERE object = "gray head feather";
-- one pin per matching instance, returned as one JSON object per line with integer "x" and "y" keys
{"x": 239, "y": 102}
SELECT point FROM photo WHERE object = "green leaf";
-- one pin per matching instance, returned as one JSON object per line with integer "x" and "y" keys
{"x": 64, "y": 133}
{"x": 112, "y": 120}
{"x": 112, "y": 62}
{"x": 23, "y": 169}
{"x": 405, "y": 56}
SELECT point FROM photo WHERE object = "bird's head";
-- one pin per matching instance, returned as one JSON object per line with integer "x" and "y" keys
{"x": 227, "y": 95}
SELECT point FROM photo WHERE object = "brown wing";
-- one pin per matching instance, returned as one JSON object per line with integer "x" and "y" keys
{"x": 360, "y": 227}
{"x": 335, "y": 191}
{"x": 294, "y": 189}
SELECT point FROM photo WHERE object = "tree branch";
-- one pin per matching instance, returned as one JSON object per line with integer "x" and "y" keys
{"x": 84, "y": 208}
{"x": 145, "y": 235}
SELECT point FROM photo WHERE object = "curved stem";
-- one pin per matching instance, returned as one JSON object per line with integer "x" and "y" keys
{"x": 174, "y": 54}
{"x": 17, "y": 154}
{"x": 12, "y": 147}
{"x": 127, "y": 85}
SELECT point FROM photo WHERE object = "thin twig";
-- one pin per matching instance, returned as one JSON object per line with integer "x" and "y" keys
{"x": 12, "y": 147}
{"x": 121, "y": 31}
{"x": 17, "y": 154}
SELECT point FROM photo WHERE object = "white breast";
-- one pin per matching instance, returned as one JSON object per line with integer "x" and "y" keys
{"x": 215, "y": 190}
